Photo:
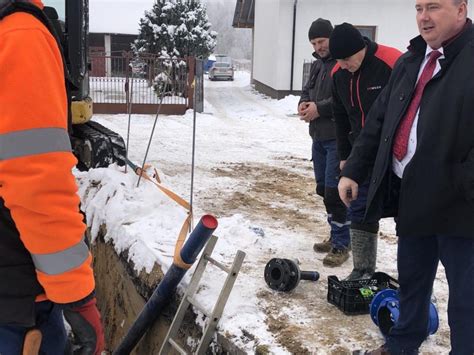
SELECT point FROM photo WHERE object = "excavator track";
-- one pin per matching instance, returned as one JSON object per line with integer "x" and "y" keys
{"x": 96, "y": 146}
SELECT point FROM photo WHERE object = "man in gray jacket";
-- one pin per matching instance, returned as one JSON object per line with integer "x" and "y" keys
{"x": 315, "y": 107}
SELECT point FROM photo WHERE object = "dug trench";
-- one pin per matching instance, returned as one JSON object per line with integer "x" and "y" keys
{"x": 121, "y": 294}
{"x": 122, "y": 291}
{"x": 280, "y": 194}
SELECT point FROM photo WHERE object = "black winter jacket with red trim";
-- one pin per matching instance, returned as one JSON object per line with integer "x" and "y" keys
{"x": 354, "y": 93}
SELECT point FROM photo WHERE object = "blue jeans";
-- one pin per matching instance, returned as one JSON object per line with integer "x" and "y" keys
{"x": 326, "y": 173}
{"x": 49, "y": 320}
{"x": 357, "y": 211}
{"x": 418, "y": 259}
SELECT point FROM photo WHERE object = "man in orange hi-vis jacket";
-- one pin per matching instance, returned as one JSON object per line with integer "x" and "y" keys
{"x": 45, "y": 264}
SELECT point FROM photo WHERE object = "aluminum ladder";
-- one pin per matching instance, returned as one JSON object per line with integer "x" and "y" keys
{"x": 169, "y": 342}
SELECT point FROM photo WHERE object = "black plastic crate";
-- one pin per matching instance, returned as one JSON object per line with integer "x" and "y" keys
{"x": 354, "y": 297}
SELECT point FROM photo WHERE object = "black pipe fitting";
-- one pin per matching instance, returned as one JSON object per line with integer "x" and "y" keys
{"x": 284, "y": 275}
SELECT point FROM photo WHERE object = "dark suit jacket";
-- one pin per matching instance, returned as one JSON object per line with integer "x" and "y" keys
{"x": 437, "y": 190}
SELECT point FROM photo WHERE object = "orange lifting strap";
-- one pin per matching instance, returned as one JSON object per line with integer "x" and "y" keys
{"x": 180, "y": 201}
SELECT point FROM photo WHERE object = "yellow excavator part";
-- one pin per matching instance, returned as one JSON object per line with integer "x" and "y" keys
{"x": 81, "y": 111}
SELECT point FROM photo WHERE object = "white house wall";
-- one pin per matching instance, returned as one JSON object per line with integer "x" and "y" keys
{"x": 272, "y": 43}
{"x": 394, "y": 20}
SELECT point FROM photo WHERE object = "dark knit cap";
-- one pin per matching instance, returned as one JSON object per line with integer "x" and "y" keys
{"x": 320, "y": 28}
{"x": 345, "y": 41}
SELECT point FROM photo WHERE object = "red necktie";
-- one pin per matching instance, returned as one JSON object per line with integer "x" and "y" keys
{"x": 400, "y": 144}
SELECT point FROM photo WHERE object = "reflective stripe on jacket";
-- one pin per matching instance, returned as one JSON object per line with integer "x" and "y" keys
{"x": 37, "y": 187}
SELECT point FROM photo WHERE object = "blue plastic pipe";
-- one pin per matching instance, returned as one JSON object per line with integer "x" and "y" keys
{"x": 167, "y": 287}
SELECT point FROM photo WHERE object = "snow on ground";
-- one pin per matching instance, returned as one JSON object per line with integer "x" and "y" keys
{"x": 254, "y": 174}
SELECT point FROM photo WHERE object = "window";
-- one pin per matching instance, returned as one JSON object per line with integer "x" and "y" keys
{"x": 367, "y": 31}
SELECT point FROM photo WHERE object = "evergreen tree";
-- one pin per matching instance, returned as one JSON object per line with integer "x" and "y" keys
{"x": 176, "y": 29}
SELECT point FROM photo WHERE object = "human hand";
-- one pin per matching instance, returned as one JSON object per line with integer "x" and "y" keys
{"x": 301, "y": 107}
{"x": 341, "y": 164}
{"x": 348, "y": 190}
{"x": 310, "y": 112}
{"x": 87, "y": 328}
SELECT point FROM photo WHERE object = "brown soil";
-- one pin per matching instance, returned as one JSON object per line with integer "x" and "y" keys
{"x": 121, "y": 294}
{"x": 264, "y": 193}
{"x": 279, "y": 195}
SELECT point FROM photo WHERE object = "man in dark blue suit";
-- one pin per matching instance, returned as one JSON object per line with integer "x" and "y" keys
{"x": 419, "y": 145}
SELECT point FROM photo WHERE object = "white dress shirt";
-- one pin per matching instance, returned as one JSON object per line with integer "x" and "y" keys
{"x": 399, "y": 166}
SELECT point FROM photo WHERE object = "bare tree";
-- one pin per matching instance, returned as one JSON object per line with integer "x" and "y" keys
{"x": 235, "y": 42}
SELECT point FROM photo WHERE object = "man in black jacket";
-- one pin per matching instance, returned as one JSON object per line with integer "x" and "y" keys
{"x": 363, "y": 70}
{"x": 419, "y": 145}
{"x": 315, "y": 108}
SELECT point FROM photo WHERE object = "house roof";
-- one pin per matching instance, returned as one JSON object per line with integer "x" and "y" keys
{"x": 244, "y": 15}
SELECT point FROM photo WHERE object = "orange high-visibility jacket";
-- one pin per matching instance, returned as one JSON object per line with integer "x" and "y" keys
{"x": 39, "y": 205}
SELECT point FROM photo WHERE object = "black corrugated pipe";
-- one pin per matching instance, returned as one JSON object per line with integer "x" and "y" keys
{"x": 295, "y": 4}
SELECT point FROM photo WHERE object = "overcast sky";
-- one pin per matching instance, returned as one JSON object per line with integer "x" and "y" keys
{"x": 119, "y": 16}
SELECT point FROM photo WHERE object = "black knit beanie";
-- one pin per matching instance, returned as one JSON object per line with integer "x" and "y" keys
{"x": 345, "y": 41}
{"x": 320, "y": 28}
